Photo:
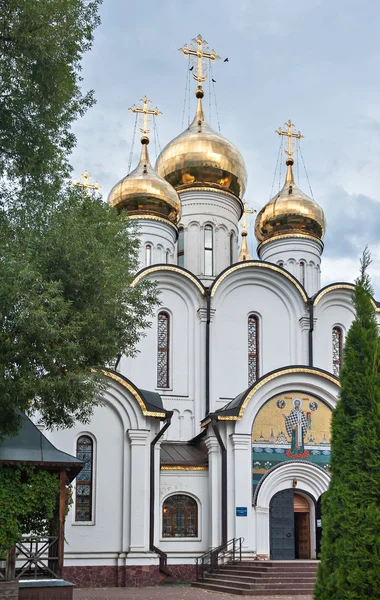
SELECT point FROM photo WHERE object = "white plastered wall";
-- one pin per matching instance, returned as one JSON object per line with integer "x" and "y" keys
{"x": 161, "y": 237}
{"x": 184, "y": 303}
{"x": 282, "y": 337}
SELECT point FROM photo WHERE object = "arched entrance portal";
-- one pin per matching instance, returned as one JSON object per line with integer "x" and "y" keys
{"x": 292, "y": 525}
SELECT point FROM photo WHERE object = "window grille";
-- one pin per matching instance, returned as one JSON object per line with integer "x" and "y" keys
{"x": 163, "y": 332}
{"x": 253, "y": 349}
{"x": 83, "y": 499}
{"x": 337, "y": 347}
{"x": 180, "y": 516}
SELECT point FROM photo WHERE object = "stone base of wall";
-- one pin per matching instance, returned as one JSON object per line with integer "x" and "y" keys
{"x": 129, "y": 576}
{"x": 8, "y": 590}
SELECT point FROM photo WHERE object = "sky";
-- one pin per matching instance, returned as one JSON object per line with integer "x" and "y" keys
{"x": 316, "y": 62}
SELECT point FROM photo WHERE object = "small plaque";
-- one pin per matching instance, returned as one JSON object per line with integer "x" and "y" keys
{"x": 241, "y": 511}
{"x": 319, "y": 522}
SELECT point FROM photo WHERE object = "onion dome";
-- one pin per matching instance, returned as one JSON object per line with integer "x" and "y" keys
{"x": 290, "y": 213}
{"x": 201, "y": 157}
{"x": 143, "y": 193}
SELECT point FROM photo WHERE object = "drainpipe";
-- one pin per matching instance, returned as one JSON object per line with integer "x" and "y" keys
{"x": 208, "y": 300}
{"x": 311, "y": 329}
{"x": 163, "y": 556}
{"x": 215, "y": 427}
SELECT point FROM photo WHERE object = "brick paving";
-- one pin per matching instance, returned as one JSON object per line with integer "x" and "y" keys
{"x": 177, "y": 592}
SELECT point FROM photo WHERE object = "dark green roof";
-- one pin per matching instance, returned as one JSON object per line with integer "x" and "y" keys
{"x": 32, "y": 447}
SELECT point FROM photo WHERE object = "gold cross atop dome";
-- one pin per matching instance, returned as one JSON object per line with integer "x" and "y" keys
{"x": 246, "y": 211}
{"x": 290, "y": 134}
{"x": 86, "y": 182}
{"x": 199, "y": 53}
{"x": 147, "y": 112}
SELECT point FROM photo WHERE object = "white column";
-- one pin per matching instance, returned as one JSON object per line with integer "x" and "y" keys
{"x": 242, "y": 473}
{"x": 262, "y": 532}
{"x": 214, "y": 491}
{"x": 139, "y": 499}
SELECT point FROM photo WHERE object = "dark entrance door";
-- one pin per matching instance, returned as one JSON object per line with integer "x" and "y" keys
{"x": 281, "y": 526}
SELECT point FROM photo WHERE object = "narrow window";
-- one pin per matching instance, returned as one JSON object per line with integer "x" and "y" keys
{"x": 180, "y": 516}
{"x": 208, "y": 250}
{"x": 253, "y": 349}
{"x": 167, "y": 257}
{"x": 148, "y": 255}
{"x": 337, "y": 347}
{"x": 302, "y": 272}
{"x": 83, "y": 499}
{"x": 281, "y": 263}
{"x": 181, "y": 248}
{"x": 163, "y": 350}
{"x": 232, "y": 239}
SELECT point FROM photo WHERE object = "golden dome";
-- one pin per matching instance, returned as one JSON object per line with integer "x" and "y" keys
{"x": 290, "y": 212}
{"x": 201, "y": 157}
{"x": 143, "y": 193}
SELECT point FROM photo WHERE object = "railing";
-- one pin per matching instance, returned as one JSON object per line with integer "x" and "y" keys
{"x": 32, "y": 558}
{"x": 218, "y": 557}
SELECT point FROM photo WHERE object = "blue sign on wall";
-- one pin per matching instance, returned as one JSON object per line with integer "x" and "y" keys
{"x": 241, "y": 511}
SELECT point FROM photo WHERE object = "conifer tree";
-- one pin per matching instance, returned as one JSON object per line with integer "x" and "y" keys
{"x": 350, "y": 555}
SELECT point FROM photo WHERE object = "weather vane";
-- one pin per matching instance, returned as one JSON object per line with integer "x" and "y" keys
{"x": 146, "y": 113}
{"x": 86, "y": 182}
{"x": 290, "y": 134}
{"x": 199, "y": 54}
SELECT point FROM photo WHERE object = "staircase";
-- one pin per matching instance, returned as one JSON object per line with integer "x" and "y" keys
{"x": 267, "y": 578}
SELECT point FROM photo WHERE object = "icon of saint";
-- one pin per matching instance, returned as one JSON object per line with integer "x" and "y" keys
{"x": 296, "y": 427}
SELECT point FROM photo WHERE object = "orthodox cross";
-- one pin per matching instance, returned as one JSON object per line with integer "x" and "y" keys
{"x": 86, "y": 182}
{"x": 246, "y": 211}
{"x": 199, "y": 53}
{"x": 290, "y": 134}
{"x": 146, "y": 112}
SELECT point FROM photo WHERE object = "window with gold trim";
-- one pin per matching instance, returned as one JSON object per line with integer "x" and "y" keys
{"x": 180, "y": 516}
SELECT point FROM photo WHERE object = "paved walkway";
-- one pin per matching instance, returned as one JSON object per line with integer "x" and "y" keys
{"x": 167, "y": 593}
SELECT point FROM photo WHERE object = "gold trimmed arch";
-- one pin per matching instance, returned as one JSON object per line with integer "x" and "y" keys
{"x": 173, "y": 269}
{"x": 263, "y": 265}
{"x": 275, "y": 375}
{"x": 339, "y": 286}
{"x": 135, "y": 393}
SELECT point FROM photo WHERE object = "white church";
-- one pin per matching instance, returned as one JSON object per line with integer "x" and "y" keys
{"x": 219, "y": 428}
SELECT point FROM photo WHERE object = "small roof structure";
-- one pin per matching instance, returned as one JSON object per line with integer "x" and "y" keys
{"x": 31, "y": 447}
{"x": 183, "y": 454}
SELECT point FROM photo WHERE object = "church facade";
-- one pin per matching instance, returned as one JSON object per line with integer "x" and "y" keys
{"x": 220, "y": 427}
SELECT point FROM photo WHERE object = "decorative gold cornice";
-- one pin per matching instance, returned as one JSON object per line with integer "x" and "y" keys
{"x": 181, "y": 468}
{"x": 340, "y": 286}
{"x": 244, "y": 265}
{"x": 168, "y": 268}
{"x": 154, "y": 218}
{"x": 202, "y": 188}
{"x": 290, "y": 236}
{"x": 135, "y": 394}
{"x": 288, "y": 371}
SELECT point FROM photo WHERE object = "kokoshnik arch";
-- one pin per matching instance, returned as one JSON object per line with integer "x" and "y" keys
{"x": 241, "y": 362}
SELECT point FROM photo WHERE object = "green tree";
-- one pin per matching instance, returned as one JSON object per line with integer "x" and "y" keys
{"x": 41, "y": 47}
{"x": 350, "y": 556}
{"x": 67, "y": 260}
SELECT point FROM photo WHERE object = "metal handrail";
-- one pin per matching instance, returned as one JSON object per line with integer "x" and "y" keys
{"x": 216, "y": 557}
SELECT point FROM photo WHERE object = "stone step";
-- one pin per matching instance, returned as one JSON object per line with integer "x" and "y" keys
{"x": 270, "y": 591}
{"x": 269, "y": 578}
{"x": 262, "y": 584}
{"x": 253, "y": 572}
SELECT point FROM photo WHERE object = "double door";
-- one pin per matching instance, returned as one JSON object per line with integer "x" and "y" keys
{"x": 289, "y": 527}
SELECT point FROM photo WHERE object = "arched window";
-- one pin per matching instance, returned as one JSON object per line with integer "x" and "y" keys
{"x": 180, "y": 516}
{"x": 232, "y": 239}
{"x": 337, "y": 348}
{"x": 148, "y": 255}
{"x": 181, "y": 248}
{"x": 253, "y": 349}
{"x": 167, "y": 256}
{"x": 163, "y": 333}
{"x": 281, "y": 263}
{"x": 208, "y": 251}
{"x": 302, "y": 272}
{"x": 84, "y": 481}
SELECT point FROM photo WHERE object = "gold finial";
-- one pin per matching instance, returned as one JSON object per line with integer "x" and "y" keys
{"x": 244, "y": 252}
{"x": 290, "y": 134}
{"x": 146, "y": 111}
{"x": 86, "y": 182}
{"x": 199, "y": 53}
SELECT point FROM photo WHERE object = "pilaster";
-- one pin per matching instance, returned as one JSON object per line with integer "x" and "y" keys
{"x": 139, "y": 498}
{"x": 215, "y": 490}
